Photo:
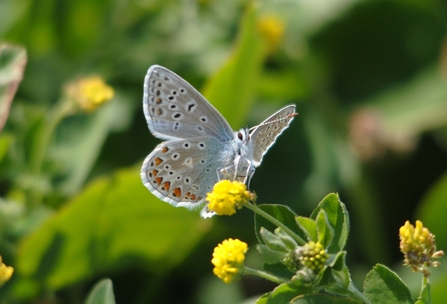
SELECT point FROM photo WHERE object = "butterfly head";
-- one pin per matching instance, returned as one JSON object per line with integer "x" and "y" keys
{"x": 242, "y": 136}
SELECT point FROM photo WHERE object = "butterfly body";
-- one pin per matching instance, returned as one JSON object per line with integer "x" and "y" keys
{"x": 200, "y": 147}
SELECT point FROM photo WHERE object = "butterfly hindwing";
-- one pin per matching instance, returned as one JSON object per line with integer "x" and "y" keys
{"x": 181, "y": 172}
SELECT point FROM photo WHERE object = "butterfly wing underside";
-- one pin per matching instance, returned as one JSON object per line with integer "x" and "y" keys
{"x": 181, "y": 172}
{"x": 175, "y": 110}
{"x": 265, "y": 134}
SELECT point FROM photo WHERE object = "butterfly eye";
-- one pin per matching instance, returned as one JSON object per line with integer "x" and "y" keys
{"x": 240, "y": 135}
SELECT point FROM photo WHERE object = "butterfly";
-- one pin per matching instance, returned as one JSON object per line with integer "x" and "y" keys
{"x": 200, "y": 148}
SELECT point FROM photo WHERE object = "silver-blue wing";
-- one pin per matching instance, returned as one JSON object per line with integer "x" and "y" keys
{"x": 264, "y": 135}
{"x": 182, "y": 172}
{"x": 175, "y": 110}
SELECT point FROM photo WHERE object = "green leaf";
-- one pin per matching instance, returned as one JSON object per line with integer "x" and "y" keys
{"x": 309, "y": 226}
{"x": 383, "y": 286}
{"x": 12, "y": 65}
{"x": 338, "y": 217}
{"x": 115, "y": 222}
{"x": 101, "y": 293}
{"x": 273, "y": 241}
{"x": 339, "y": 261}
{"x": 285, "y": 292}
{"x": 263, "y": 299}
{"x": 432, "y": 210}
{"x": 425, "y": 295}
{"x": 280, "y": 212}
{"x": 279, "y": 269}
{"x": 287, "y": 239}
{"x": 80, "y": 149}
{"x": 269, "y": 255}
{"x": 6, "y": 141}
{"x": 324, "y": 231}
{"x": 323, "y": 299}
{"x": 232, "y": 88}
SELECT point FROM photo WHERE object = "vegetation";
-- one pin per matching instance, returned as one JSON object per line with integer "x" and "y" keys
{"x": 369, "y": 79}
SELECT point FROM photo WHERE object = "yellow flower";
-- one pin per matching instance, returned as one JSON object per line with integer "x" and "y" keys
{"x": 227, "y": 196}
{"x": 228, "y": 260}
{"x": 5, "y": 272}
{"x": 90, "y": 92}
{"x": 312, "y": 255}
{"x": 419, "y": 247}
{"x": 272, "y": 29}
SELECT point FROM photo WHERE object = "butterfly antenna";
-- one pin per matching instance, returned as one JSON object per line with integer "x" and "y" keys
{"x": 273, "y": 121}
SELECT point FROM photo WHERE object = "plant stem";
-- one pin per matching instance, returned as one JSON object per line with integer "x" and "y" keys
{"x": 425, "y": 294}
{"x": 270, "y": 218}
{"x": 51, "y": 120}
{"x": 264, "y": 275}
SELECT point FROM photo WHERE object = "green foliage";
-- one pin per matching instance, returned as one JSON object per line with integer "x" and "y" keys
{"x": 111, "y": 233}
{"x": 368, "y": 79}
{"x": 317, "y": 270}
{"x": 383, "y": 286}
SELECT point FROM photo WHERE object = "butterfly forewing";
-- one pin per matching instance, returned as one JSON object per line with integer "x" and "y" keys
{"x": 181, "y": 172}
{"x": 175, "y": 110}
{"x": 265, "y": 134}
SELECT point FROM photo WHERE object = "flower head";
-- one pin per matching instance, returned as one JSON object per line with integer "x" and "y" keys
{"x": 419, "y": 247}
{"x": 5, "y": 272}
{"x": 312, "y": 255}
{"x": 227, "y": 196}
{"x": 228, "y": 259}
{"x": 272, "y": 29}
{"x": 89, "y": 93}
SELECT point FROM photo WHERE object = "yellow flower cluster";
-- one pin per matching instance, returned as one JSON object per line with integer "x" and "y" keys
{"x": 5, "y": 272}
{"x": 227, "y": 196}
{"x": 272, "y": 29}
{"x": 312, "y": 255}
{"x": 228, "y": 259}
{"x": 90, "y": 92}
{"x": 419, "y": 247}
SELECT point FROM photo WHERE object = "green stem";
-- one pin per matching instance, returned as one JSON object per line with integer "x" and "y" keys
{"x": 264, "y": 275}
{"x": 273, "y": 220}
{"x": 425, "y": 294}
{"x": 51, "y": 120}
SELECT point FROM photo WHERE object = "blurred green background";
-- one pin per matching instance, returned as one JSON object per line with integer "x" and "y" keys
{"x": 369, "y": 79}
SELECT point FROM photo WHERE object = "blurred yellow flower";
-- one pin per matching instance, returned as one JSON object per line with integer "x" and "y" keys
{"x": 90, "y": 92}
{"x": 272, "y": 29}
{"x": 228, "y": 260}
{"x": 227, "y": 196}
{"x": 5, "y": 272}
{"x": 419, "y": 247}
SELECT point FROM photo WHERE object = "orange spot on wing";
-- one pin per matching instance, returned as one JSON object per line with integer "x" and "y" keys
{"x": 177, "y": 192}
{"x": 158, "y": 161}
{"x": 154, "y": 172}
{"x": 164, "y": 150}
{"x": 167, "y": 185}
{"x": 158, "y": 180}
